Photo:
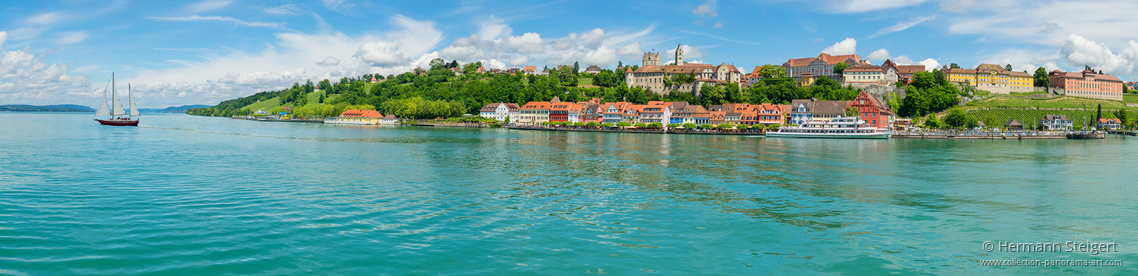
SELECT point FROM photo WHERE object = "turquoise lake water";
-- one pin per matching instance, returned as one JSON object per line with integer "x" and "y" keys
{"x": 184, "y": 195}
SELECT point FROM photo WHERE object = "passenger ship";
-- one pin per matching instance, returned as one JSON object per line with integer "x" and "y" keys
{"x": 841, "y": 128}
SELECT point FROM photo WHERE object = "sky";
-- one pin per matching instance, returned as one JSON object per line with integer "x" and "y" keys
{"x": 203, "y": 52}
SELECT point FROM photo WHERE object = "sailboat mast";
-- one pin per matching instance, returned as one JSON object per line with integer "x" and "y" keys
{"x": 113, "y": 94}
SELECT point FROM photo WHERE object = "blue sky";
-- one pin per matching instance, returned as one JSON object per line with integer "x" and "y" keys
{"x": 202, "y": 52}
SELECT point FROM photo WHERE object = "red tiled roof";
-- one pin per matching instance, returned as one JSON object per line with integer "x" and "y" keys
{"x": 353, "y": 113}
{"x": 910, "y": 69}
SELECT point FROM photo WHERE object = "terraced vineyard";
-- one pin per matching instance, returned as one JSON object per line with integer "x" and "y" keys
{"x": 997, "y": 117}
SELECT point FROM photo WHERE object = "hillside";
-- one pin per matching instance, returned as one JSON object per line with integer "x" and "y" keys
{"x": 997, "y": 110}
{"x": 46, "y": 108}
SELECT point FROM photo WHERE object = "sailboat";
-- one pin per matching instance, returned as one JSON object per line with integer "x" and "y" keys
{"x": 116, "y": 114}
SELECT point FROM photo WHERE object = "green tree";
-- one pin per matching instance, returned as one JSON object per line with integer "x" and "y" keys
{"x": 705, "y": 126}
{"x": 607, "y": 125}
{"x": 956, "y": 118}
{"x": 954, "y": 66}
{"x": 772, "y": 71}
{"x": 852, "y": 112}
{"x": 437, "y": 64}
{"x": 840, "y": 67}
{"x": 656, "y": 125}
{"x": 712, "y": 94}
{"x": 592, "y": 124}
{"x": 673, "y": 125}
{"x": 576, "y": 69}
{"x": 773, "y": 127}
{"x": 1040, "y": 78}
{"x": 623, "y": 124}
{"x": 689, "y": 126}
{"x": 1098, "y": 115}
{"x": 641, "y": 125}
{"x": 1008, "y": 67}
{"x": 932, "y": 121}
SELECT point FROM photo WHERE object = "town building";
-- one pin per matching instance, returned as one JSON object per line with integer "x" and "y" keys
{"x": 499, "y": 111}
{"x": 357, "y": 117}
{"x": 1056, "y": 122}
{"x": 593, "y": 69}
{"x": 1013, "y": 125}
{"x": 530, "y": 70}
{"x": 656, "y": 112}
{"x": 613, "y": 112}
{"x": 819, "y": 66}
{"x": 1110, "y": 123}
{"x": 905, "y": 72}
{"x": 534, "y": 113}
{"x": 865, "y": 75}
{"x": 873, "y": 112}
{"x": 389, "y": 119}
{"x": 632, "y": 113}
{"x": 481, "y": 70}
{"x": 805, "y": 110}
{"x": 657, "y": 78}
{"x": 992, "y": 78}
{"x": 690, "y": 114}
{"x": 1087, "y": 84}
{"x": 558, "y": 110}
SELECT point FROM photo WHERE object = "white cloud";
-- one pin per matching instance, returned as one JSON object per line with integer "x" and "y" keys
{"x": 602, "y": 56}
{"x": 930, "y": 64}
{"x": 208, "y": 5}
{"x": 337, "y": 5}
{"x": 494, "y": 28}
{"x": 329, "y": 61}
{"x": 850, "y": 6}
{"x": 718, "y": 25}
{"x": 1022, "y": 59}
{"x": 958, "y": 5}
{"x": 631, "y": 49}
{"x": 66, "y": 38}
{"x": 26, "y": 78}
{"x": 590, "y": 39}
{"x": 879, "y": 55}
{"x": 381, "y": 53}
{"x": 224, "y": 19}
{"x": 286, "y": 9}
{"x": 528, "y": 43}
{"x": 903, "y": 60}
{"x": 493, "y": 64}
{"x": 844, "y": 47}
{"x": 1110, "y": 22}
{"x": 44, "y": 18}
{"x": 901, "y": 26}
{"x": 3, "y": 37}
{"x": 520, "y": 61}
{"x": 707, "y": 9}
{"x": 220, "y": 76}
{"x": 1079, "y": 51}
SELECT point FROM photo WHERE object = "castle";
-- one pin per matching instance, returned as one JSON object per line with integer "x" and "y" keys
{"x": 652, "y": 74}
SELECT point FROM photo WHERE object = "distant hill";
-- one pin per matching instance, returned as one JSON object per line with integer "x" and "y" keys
{"x": 46, "y": 108}
{"x": 172, "y": 109}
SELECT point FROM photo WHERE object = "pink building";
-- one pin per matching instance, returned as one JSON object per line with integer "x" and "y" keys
{"x": 1087, "y": 84}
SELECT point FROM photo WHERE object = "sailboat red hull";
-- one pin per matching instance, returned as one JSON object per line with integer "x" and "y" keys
{"x": 113, "y": 122}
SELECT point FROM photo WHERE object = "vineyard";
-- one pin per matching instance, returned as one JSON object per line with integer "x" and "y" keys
{"x": 997, "y": 117}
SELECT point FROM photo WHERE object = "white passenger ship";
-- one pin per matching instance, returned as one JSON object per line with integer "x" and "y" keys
{"x": 841, "y": 128}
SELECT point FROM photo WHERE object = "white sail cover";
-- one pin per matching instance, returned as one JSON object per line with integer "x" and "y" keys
{"x": 117, "y": 105}
{"x": 133, "y": 108}
{"x": 103, "y": 110}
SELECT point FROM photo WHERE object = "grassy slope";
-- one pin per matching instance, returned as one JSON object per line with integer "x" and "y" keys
{"x": 313, "y": 101}
{"x": 1130, "y": 98}
{"x": 998, "y": 110}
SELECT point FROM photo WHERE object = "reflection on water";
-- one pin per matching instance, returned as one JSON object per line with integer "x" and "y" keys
{"x": 193, "y": 195}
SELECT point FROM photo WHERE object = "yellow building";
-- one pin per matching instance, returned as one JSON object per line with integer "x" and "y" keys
{"x": 991, "y": 77}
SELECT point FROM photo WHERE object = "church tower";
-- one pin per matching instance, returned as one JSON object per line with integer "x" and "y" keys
{"x": 679, "y": 54}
